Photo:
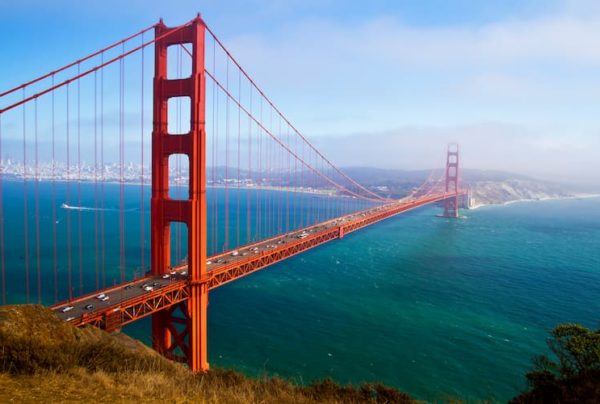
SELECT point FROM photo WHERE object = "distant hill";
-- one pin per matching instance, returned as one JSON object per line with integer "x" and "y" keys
{"x": 372, "y": 176}
{"x": 486, "y": 187}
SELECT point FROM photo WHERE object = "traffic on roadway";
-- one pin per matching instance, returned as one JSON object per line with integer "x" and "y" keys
{"x": 114, "y": 296}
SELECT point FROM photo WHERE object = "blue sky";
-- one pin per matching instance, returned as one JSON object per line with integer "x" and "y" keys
{"x": 379, "y": 83}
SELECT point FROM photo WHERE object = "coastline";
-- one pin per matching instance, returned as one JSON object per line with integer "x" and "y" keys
{"x": 549, "y": 198}
{"x": 312, "y": 191}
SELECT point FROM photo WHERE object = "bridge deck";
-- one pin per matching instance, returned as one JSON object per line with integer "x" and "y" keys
{"x": 130, "y": 301}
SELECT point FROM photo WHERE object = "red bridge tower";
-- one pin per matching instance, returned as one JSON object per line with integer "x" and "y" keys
{"x": 451, "y": 204}
{"x": 179, "y": 331}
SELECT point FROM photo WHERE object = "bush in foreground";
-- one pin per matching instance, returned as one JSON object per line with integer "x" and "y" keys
{"x": 574, "y": 377}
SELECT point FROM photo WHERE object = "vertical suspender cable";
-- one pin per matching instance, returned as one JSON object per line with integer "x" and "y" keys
{"x": 216, "y": 146}
{"x": 237, "y": 222}
{"x": 258, "y": 174}
{"x": 79, "y": 228}
{"x": 2, "y": 268}
{"x": 68, "y": 197}
{"x": 289, "y": 184}
{"x": 315, "y": 197}
{"x": 269, "y": 192}
{"x": 270, "y": 144}
{"x": 214, "y": 157}
{"x": 272, "y": 168}
{"x": 96, "y": 196}
{"x": 315, "y": 189}
{"x": 249, "y": 181}
{"x": 329, "y": 206}
{"x": 295, "y": 185}
{"x": 301, "y": 204}
{"x": 268, "y": 156}
{"x": 267, "y": 214}
{"x": 142, "y": 201}
{"x": 121, "y": 167}
{"x": 279, "y": 176}
{"x": 37, "y": 208}
{"x": 226, "y": 243}
{"x": 25, "y": 209}
{"x": 54, "y": 220}
{"x": 102, "y": 177}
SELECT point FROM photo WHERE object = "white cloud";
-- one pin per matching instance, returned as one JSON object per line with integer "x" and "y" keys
{"x": 498, "y": 85}
{"x": 537, "y": 79}
{"x": 323, "y": 44}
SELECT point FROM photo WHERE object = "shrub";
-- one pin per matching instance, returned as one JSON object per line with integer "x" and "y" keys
{"x": 575, "y": 374}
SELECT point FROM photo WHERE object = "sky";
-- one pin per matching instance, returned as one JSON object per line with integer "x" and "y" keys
{"x": 378, "y": 83}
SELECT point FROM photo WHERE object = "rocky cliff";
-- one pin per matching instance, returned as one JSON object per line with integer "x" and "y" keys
{"x": 511, "y": 190}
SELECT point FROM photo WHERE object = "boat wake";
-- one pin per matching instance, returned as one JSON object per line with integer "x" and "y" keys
{"x": 87, "y": 208}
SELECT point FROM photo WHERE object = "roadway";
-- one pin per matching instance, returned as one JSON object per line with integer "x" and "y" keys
{"x": 138, "y": 298}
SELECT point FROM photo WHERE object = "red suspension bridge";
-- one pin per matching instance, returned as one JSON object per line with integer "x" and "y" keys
{"x": 235, "y": 187}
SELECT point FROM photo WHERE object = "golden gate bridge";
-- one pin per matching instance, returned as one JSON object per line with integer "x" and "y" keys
{"x": 235, "y": 186}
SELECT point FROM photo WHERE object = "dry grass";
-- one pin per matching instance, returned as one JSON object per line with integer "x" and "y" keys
{"x": 78, "y": 385}
{"x": 43, "y": 359}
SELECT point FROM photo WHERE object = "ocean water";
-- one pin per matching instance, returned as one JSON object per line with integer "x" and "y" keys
{"x": 436, "y": 307}
{"x": 80, "y": 238}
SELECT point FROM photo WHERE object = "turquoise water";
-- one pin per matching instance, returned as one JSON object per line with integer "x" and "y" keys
{"x": 438, "y": 308}
{"x": 90, "y": 253}
{"x": 435, "y": 307}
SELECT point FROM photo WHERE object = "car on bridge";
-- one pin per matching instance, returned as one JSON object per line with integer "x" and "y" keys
{"x": 66, "y": 309}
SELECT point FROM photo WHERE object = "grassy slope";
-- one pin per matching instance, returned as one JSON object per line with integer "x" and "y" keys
{"x": 43, "y": 359}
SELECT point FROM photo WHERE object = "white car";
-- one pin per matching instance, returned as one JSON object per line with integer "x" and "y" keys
{"x": 104, "y": 299}
{"x": 101, "y": 296}
{"x": 148, "y": 288}
{"x": 166, "y": 276}
{"x": 70, "y": 318}
{"x": 235, "y": 253}
{"x": 184, "y": 273}
{"x": 67, "y": 308}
